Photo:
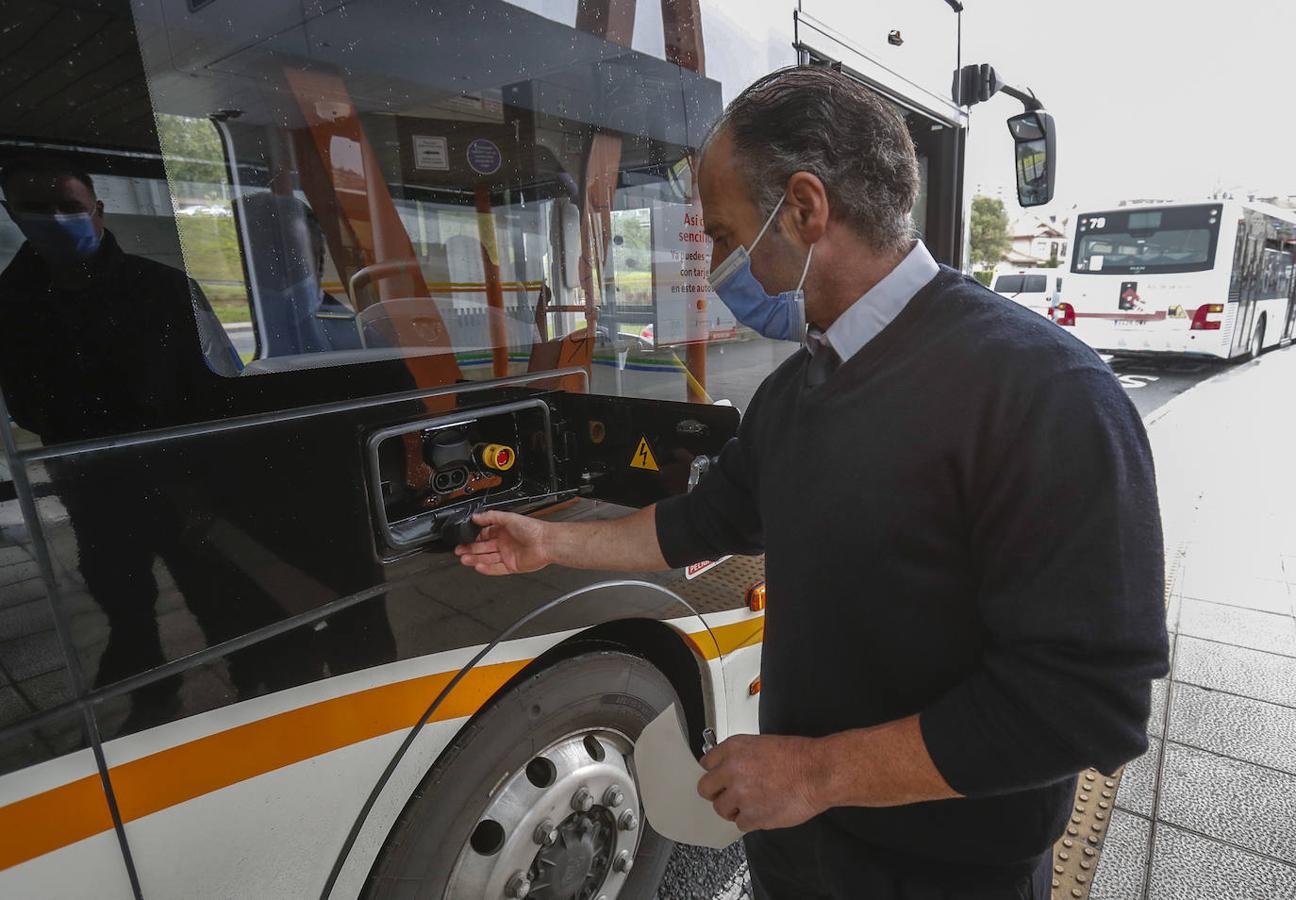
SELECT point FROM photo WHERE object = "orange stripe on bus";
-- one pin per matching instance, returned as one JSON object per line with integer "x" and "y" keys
{"x": 72, "y": 812}
{"x": 45, "y": 822}
{"x": 151, "y": 783}
{"x": 75, "y": 811}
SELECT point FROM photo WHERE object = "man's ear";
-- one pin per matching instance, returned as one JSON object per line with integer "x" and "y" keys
{"x": 807, "y": 199}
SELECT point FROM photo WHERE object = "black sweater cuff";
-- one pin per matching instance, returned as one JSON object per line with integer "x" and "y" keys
{"x": 680, "y": 542}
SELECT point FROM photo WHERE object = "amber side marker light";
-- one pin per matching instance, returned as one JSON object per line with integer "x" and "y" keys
{"x": 756, "y": 597}
{"x": 754, "y": 688}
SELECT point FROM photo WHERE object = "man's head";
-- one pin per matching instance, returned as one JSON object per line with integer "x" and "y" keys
{"x": 844, "y": 163}
{"x": 55, "y": 206}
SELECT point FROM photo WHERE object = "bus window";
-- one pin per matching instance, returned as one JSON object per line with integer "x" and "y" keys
{"x": 1176, "y": 239}
{"x": 1009, "y": 284}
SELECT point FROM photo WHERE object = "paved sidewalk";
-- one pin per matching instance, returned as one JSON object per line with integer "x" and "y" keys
{"x": 1210, "y": 811}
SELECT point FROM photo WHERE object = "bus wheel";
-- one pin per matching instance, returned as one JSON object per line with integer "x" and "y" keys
{"x": 537, "y": 795}
{"x": 1257, "y": 339}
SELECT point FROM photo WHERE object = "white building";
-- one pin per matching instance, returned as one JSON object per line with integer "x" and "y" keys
{"x": 1036, "y": 240}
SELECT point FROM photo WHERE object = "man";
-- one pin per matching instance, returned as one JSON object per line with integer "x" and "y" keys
{"x": 957, "y": 506}
{"x": 97, "y": 342}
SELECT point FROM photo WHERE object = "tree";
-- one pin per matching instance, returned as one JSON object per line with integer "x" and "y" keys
{"x": 989, "y": 238}
{"x": 192, "y": 149}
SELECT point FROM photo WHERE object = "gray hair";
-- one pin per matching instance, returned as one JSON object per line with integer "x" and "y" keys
{"x": 817, "y": 120}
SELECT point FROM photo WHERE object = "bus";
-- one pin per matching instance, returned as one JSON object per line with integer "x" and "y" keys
{"x": 1214, "y": 279}
{"x": 370, "y": 268}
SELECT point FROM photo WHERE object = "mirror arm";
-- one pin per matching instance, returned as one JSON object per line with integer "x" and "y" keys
{"x": 977, "y": 83}
{"x": 1027, "y": 97}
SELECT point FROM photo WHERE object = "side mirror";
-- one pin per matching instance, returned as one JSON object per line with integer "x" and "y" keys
{"x": 1036, "y": 138}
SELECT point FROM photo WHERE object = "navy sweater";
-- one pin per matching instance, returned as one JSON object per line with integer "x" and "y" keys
{"x": 961, "y": 522}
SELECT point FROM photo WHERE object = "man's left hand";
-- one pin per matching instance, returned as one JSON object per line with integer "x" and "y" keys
{"x": 764, "y": 781}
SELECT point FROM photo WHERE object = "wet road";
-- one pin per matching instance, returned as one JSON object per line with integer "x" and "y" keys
{"x": 1152, "y": 383}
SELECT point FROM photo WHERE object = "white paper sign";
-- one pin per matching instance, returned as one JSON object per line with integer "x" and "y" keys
{"x": 432, "y": 153}
{"x": 668, "y": 778}
{"x": 1096, "y": 262}
{"x": 679, "y": 268}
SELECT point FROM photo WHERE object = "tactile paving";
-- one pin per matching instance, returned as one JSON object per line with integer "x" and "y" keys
{"x": 1077, "y": 853}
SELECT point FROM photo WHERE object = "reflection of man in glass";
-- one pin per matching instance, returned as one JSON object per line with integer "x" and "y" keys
{"x": 135, "y": 324}
{"x": 95, "y": 342}
{"x": 287, "y": 265}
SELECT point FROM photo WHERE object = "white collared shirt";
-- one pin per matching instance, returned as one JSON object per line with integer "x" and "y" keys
{"x": 864, "y": 319}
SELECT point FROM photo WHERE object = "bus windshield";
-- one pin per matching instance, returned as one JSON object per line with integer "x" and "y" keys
{"x": 1168, "y": 240}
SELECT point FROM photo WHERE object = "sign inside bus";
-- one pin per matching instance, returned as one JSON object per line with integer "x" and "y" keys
{"x": 684, "y": 308}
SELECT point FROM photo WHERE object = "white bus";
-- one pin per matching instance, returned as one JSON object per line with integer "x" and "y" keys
{"x": 1160, "y": 279}
{"x": 236, "y": 656}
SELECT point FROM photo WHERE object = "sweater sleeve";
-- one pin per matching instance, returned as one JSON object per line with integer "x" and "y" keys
{"x": 721, "y": 515}
{"x": 1066, "y": 535}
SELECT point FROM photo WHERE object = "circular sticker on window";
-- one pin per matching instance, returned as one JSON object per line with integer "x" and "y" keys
{"x": 484, "y": 156}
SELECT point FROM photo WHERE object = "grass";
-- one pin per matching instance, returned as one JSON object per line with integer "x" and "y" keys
{"x": 229, "y": 301}
{"x": 211, "y": 247}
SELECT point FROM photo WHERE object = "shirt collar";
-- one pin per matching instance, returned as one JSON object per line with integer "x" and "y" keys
{"x": 864, "y": 319}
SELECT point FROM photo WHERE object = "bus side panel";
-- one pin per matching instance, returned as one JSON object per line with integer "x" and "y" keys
{"x": 58, "y": 837}
{"x": 56, "y": 849}
{"x": 306, "y": 759}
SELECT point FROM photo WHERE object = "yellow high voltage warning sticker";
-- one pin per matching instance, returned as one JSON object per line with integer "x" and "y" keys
{"x": 643, "y": 458}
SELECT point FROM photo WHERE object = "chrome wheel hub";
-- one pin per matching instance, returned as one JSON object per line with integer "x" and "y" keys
{"x": 564, "y": 827}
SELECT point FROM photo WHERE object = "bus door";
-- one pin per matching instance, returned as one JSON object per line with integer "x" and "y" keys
{"x": 921, "y": 50}
{"x": 1287, "y": 282}
{"x": 1248, "y": 279}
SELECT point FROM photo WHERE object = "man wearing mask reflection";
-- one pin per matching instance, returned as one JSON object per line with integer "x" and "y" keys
{"x": 96, "y": 342}
{"x": 145, "y": 346}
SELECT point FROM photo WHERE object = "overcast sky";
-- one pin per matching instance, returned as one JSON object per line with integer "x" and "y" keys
{"x": 1152, "y": 98}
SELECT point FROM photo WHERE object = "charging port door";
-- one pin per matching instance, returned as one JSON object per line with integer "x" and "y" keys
{"x": 633, "y": 451}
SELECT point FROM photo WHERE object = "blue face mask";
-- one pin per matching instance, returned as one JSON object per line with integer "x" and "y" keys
{"x": 781, "y": 317}
{"x": 61, "y": 237}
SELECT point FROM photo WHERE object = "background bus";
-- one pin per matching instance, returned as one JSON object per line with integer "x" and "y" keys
{"x": 1202, "y": 279}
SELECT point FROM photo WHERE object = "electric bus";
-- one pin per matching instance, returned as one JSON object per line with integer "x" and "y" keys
{"x": 399, "y": 261}
{"x": 1213, "y": 279}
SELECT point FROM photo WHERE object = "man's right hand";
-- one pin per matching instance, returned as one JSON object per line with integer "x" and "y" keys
{"x": 511, "y": 544}
{"x": 508, "y": 544}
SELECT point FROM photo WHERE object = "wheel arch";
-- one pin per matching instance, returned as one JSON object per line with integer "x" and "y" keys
{"x": 665, "y": 647}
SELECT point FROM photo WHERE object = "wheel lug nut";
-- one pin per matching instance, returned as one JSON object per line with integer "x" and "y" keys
{"x": 623, "y": 862}
{"x": 518, "y": 886}
{"x": 582, "y": 800}
{"x": 613, "y": 796}
{"x": 545, "y": 834}
{"x": 629, "y": 821}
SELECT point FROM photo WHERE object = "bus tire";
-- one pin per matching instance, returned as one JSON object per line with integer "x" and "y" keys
{"x": 461, "y": 835}
{"x": 1257, "y": 339}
